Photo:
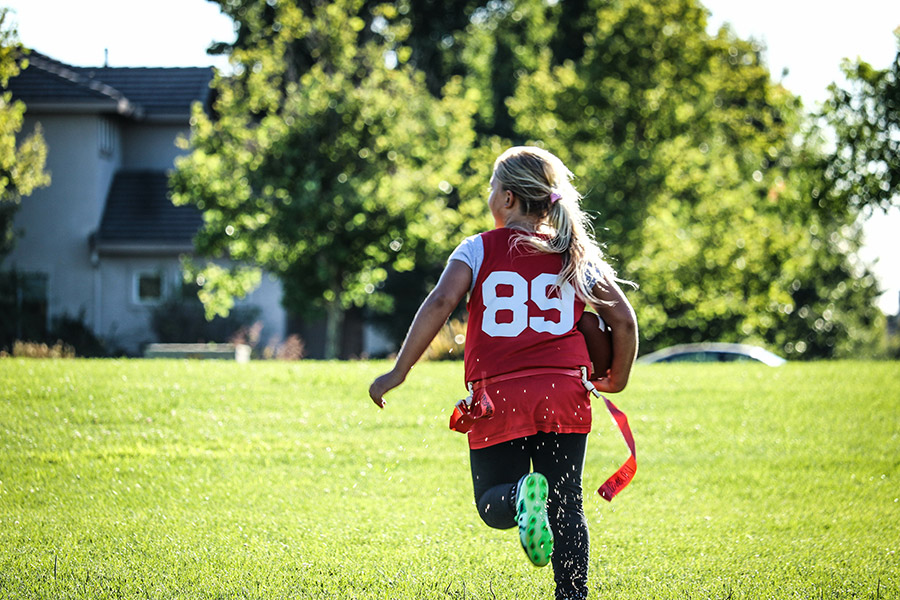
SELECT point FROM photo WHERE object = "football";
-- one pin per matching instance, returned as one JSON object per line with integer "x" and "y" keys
{"x": 598, "y": 338}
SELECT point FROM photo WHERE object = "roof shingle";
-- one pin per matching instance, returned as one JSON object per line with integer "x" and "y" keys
{"x": 138, "y": 211}
{"x": 130, "y": 91}
{"x": 158, "y": 90}
{"x": 49, "y": 82}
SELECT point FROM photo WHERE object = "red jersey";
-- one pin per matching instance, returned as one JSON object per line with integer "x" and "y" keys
{"x": 519, "y": 319}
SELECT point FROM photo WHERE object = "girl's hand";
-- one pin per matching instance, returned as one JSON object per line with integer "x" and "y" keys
{"x": 609, "y": 385}
{"x": 434, "y": 312}
{"x": 383, "y": 385}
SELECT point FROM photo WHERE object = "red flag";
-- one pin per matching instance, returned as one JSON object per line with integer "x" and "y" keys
{"x": 625, "y": 474}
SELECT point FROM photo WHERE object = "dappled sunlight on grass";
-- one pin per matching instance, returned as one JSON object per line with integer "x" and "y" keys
{"x": 273, "y": 480}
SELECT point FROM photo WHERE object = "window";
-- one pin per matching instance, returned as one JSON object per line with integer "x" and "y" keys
{"x": 149, "y": 288}
{"x": 106, "y": 137}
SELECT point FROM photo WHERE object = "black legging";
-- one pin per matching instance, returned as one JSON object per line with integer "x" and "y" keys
{"x": 560, "y": 458}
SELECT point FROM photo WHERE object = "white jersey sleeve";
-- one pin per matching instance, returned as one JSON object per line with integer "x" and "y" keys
{"x": 471, "y": 252}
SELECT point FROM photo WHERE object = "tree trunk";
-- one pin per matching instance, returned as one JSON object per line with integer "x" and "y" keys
{"x": 334, "y": 318}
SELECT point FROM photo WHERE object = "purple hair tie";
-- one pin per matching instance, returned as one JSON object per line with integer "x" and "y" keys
{"x": 554, "y": 197}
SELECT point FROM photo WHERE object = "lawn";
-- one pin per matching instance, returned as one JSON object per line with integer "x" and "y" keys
{"x": 180, "y": 479}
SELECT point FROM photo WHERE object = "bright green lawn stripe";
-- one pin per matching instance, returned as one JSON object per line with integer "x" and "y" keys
{"x": 167, "y": 479}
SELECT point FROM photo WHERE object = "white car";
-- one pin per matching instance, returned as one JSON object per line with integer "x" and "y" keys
{"x": 713, "y": 352}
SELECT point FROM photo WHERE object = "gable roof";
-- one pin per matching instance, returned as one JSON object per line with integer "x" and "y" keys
{"x": 139, "y": 215}
{"x": 48, "y": 83}
{"x": 160, "y": 91}
{"x": 138, "y": 92}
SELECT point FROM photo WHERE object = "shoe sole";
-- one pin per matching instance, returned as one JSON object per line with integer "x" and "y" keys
{"x": 531, "y": 516}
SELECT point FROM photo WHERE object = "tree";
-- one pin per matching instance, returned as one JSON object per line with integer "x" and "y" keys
{"x": 765, "y": 272}
{"x": 700, "y": 168}
{"x": 327, "y": 162}
{"x": 863, "y": 170}
{"x": 703, "y": 172}
{"x": 21, "y": 161}
{"x": 688, "y": 152}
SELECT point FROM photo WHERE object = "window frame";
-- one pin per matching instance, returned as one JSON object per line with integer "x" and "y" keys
{"x": 136, "y": 287}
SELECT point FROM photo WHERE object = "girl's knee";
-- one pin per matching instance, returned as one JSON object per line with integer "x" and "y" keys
{"x": 495, "y": 514}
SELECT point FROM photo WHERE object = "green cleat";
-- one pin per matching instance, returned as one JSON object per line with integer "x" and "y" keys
{"x": 531, "y": 515}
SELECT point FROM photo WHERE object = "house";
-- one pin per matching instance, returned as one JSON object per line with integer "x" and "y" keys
{"x": 103, "y": 243}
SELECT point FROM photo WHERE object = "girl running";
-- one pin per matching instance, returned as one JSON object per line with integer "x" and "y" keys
{"x": 528, "y": 281}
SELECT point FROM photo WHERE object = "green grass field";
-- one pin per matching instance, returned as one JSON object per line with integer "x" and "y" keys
{"x": 176, "y": 479}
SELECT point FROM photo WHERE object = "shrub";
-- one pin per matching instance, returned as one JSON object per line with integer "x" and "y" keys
{"x": 292, "y": 348}
{"x": 74, "y": 332}
{"x": 449, "y": 343}
{"x": 183, "y": 321}
{"x": 67, "y": 337}
{"x": 40, "y": 350}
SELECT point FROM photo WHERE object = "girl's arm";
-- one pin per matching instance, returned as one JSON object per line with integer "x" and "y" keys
{"x": 619, "y": 317}
{"x": 431, "y": 316}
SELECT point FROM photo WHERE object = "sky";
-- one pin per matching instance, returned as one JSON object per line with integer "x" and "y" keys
{"x": 805, "y": 42}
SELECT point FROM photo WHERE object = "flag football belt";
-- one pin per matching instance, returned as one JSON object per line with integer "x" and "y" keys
{"x": 478, "y": 405}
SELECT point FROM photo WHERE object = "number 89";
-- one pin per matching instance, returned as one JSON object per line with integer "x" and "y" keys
{"x": 517, "y": 304}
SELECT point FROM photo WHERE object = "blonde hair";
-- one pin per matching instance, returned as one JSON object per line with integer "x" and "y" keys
{"x": 543, "y": 184}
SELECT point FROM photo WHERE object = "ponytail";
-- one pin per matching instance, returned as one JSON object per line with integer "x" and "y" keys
{"x": 543, "y": 184}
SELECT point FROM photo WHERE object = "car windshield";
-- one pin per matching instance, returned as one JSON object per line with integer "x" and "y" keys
{"x": 707, "y": 356}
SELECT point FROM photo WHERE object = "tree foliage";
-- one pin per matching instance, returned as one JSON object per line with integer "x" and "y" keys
{"x": 700, "y": 170}
{"x": 705, "y": 176}
{"x": 324, "y": 164}
{"x": 21, "y": 161}
{"x": 863, "y": 170}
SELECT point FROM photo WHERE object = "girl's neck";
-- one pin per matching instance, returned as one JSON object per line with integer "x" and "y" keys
{"x": 522, "y": 222}
{"x": 526, "y": 224}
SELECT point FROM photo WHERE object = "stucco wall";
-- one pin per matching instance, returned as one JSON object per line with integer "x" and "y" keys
{"x": 151, "y": 145}
{"x": 84, "y": 153}
{"x": 126, "y": 321}
{"x": 56, "y": 222}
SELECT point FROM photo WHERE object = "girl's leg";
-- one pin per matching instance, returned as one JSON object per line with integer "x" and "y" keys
{"x": 496, "y": 471}
{"x": 560, "y": 458}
